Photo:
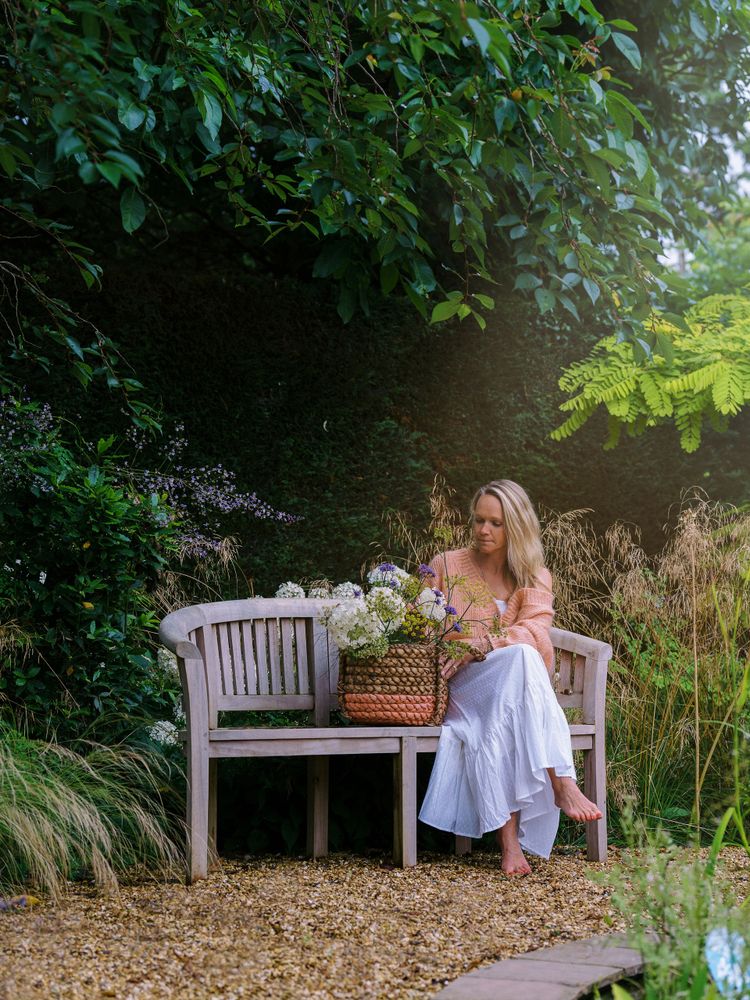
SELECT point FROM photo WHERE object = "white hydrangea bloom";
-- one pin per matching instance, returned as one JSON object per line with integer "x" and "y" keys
{"x": 346, "y": 591}
{"x": 352, "y": 625}
{"x": 388, "y": 575}
{"x": 318, "y": 593}
{"x": 431, "y": 603}
{"x": 167, "y": 661}
{"x": 166, "y": 733}
{"x": 290, "y": 589}
{"x": 388, "y": 606}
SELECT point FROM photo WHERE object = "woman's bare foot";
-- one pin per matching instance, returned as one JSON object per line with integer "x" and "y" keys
{"x": 572, "y": 801}
{"x": 514, "y": 862}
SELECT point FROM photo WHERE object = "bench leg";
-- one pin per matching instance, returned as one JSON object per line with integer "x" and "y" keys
{"x": 595, "y": 788}
{"x": 213, "y": 766}
{"x": 405, "y": 803}
{"x": 463, "y": 846}
{"x": 197, "y": 811}
{"x": 317, "y": 806}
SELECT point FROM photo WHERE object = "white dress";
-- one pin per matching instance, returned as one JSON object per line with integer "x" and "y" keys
{"x": 503, "y": 729}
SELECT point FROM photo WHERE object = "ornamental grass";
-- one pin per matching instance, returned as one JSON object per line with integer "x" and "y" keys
{"x": 65, "y": 814}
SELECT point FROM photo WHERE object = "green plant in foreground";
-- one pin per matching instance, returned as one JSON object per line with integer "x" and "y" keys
{"x": 672, "y": 900}
{"x": 65, "y": 814}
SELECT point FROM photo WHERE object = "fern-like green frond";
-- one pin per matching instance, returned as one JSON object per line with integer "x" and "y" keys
{"x": 696, "y": 380}
{"x": 706, "y": 378}
{"x": 574, "y": 422}
{"x": 655, "y": 396}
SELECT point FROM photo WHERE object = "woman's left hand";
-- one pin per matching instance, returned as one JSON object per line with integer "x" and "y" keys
{"x": 450, "y": 667}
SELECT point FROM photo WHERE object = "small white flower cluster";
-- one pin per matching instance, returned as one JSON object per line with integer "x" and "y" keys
{"x": 388, "y": 575}
{"x": 166, "y": 733}
{"x": 346, "y": 591}
{"x": 318, "y": 593}
{"x": 432, "y": 604}
{"x": 354, "y": 626}
{"x": 290, "y": 589}
{"x": 387, "y": 606}
{"x": 167, "y": 661}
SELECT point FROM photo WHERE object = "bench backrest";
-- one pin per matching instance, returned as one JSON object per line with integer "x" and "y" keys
{"x": 274, "y": 654}
{"x": 258, "y": 654}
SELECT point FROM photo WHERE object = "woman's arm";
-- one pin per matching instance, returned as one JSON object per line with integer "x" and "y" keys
{"x": 533, "y": 620}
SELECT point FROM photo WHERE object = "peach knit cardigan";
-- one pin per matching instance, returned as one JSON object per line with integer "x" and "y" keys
{"x": 527, "y": 618}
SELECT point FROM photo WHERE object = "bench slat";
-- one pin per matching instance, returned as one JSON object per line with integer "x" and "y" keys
{"x": 261, "y": 656}
{"x": 301, "y": 658}
{"x": 265, "y": 703}
{"x": 326, "y": 732}
{"x": 238, "y": 659}
{"x": 287, "y": 633}
{"x": 248, "y": 659}
{"x": 303, "y": 748}
{"x": 272, "y": 647}
{"x": 564, "y": 676}
{"x": 225, "y": 658}
{"x": 579, "y": 669}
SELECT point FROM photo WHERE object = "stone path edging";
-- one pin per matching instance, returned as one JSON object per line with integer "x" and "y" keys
{"x": 564, "y": 972}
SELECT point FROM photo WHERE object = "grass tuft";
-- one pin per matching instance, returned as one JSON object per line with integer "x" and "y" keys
{"x": 66, "y": 815}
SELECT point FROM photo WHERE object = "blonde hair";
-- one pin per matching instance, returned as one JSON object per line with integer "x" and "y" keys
{"x": 525, "y": 552}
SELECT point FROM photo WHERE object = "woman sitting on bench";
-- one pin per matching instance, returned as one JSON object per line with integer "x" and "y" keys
{"x": 504, "y": 760}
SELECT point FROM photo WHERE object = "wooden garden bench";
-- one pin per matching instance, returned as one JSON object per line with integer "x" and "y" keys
{"x": 267, "y": 654}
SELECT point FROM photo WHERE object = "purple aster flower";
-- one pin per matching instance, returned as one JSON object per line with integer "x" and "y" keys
{"x": 424, "y": 570}
{"x": 450, "y": 610}
{"x": 386, "y": 567}
{"x": 436, "y": 592}
{"x": 457, "y": 628}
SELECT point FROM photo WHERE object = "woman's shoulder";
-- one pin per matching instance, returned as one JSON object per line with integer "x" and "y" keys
{"x": 544, "y": 579}
{"x": 540, "y": 591}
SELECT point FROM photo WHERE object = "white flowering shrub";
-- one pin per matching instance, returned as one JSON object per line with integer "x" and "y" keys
{"x": 167, "y": 662}
{"x": 346, "y": 591}
{"x": 166, "y": 733}
{"x": 290, "y": 590}
{"x": 318, "y": 593}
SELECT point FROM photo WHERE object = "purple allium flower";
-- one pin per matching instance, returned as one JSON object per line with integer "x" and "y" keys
{"x": 424, "y": 570}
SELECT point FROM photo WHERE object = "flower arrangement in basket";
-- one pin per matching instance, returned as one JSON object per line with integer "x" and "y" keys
{"x": 390, "y": 639}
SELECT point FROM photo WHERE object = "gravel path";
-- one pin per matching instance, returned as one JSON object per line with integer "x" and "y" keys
{"x": 341, "y": 927}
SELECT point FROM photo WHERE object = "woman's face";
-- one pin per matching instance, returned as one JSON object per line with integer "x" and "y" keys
{"x": 489, "y": 525}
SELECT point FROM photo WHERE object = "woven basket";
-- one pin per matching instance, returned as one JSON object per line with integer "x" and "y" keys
{"x": 402, "y": 688}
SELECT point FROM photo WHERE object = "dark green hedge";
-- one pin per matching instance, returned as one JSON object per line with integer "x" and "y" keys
{"x": 336, "y": 423}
